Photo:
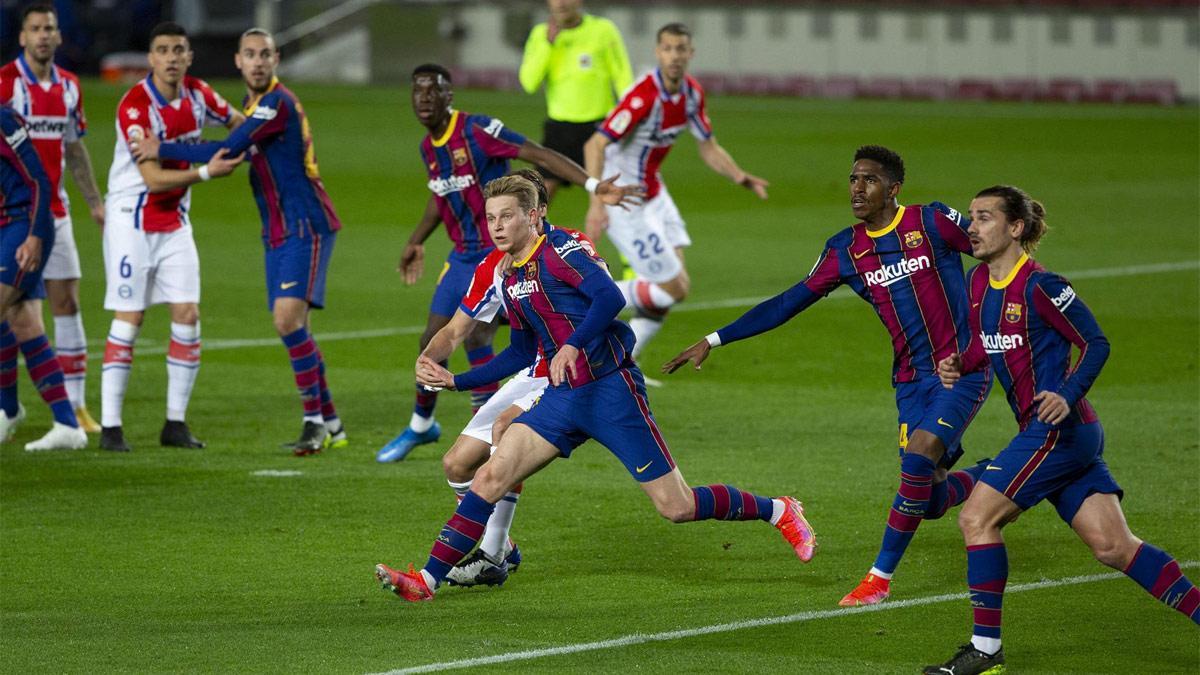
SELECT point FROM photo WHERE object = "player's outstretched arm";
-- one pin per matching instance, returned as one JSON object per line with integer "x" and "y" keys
{"x": 159, "y": 179}
{"x": 607, "y": 191}
{"x": 520, "y": 353}
{"x": 696, "y": 354}
{"x": 445, "y": 341}
{"x": 412, "y": 260}
{"x": 719, "y": 160}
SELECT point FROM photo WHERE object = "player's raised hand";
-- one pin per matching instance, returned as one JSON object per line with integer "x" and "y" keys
{"x": 597, "y": 220}
{"x": 1052, "y": 407}
{"x": 144, "y": 148}
{"x": 562, "y": 364}
{"x": 623, "y": 196}
{"x": 950, "y": 369}
{"x": 29, "y": 254}
{"x": 755, "y": 184}
{"x": 222, "y": 164}
{"x": 697, "y": 353}
{"x": 412, "y": 263}
{"x": 432, "y": 374}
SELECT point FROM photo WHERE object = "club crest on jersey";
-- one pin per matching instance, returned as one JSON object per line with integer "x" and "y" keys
{"x": 531, "y": 269}
{"x": 1012, "y": 312}
{"x": 585, "y": 61}
{"x": 459, "y": 155}
{"x": 913, "y": 239}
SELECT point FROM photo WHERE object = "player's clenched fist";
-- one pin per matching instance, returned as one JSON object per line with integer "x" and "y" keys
{"x": 950, "y": 369}
{"x": 696, "y": 354}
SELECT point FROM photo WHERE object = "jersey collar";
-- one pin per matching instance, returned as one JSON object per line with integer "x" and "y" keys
{"x": 27, "y": 70}
{"x": 536, "y": 245}
{"x": 666, "y": 96}
{"x": 439, "y": 142}
{"x": 159, "y": 99}
{"x": 250, "y": 105}
{"x": 891, "y": 226}
{"x": 1012, "y": 274}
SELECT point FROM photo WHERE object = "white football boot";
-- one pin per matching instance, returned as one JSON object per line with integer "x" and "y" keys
{"x": 8, "y": 425}
{"x": 60, "y": 437}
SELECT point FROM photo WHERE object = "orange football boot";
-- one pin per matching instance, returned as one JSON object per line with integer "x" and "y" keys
{"x": 871, "y": 590}
{"x": 409, "y": 585}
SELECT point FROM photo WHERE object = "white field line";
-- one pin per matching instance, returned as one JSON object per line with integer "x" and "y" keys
{"x": 148, "y": 347}
{"x": 801, "y": 617}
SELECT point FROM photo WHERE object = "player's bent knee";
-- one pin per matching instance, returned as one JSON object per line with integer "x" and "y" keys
{"x": 1115, "y": 551}
{"x": 488, "y": 484}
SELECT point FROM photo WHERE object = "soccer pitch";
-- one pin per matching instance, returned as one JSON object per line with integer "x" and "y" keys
{"x": 177, "y": 560}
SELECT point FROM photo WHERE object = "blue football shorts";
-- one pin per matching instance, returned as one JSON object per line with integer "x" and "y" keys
{"x": 926, "y": 405}
{"x": 1063, "y": 465}
{"x": 297, "y": 268}
{"x": 613, "y": 410}
{"x": 454, "y": 281}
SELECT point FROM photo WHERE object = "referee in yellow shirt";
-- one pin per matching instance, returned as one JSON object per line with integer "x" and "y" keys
{"x": 583, "y": 62}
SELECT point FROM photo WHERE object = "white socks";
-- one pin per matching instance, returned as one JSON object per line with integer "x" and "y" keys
{"x": 70, "y": 343}
{"x": 183, "y": 364}
{"x": 420, "y": 424}
{"x": 114, "y": 377}
{"x": 644, "y": 330}
{"x": 495, "y": 536}
{"x": 986, "y": 645}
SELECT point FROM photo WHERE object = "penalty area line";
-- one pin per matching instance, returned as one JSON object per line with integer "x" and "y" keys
{"x": 801, "y": 617}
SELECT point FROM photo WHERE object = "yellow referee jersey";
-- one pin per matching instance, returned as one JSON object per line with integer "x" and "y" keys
{"x": 585, "y": 70}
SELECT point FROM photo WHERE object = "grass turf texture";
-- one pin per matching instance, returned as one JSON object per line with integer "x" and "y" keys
{"x": 184, "y": 560}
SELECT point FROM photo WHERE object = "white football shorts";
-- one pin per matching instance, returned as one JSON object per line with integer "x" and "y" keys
{"x": 63, "y": 262}
{"x": 522, "y": 390}
{"x": 648, "y": 234}
{"x": 146, "y": 268}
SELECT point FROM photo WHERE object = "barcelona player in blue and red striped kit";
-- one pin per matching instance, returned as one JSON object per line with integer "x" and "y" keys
{"x": 462, "y": 153}
{"x": 1024, "y": 323}
{"x": 560, "y": 298}
{"x": 906, "y": 262}
{"x": 299, "y": 224}
{"x": 26, "y": 239}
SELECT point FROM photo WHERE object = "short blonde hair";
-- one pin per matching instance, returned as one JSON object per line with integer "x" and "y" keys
{"x": 516, "y": 186}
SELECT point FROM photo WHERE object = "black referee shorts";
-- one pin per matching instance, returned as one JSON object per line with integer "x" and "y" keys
{"x": 567, "y": 138}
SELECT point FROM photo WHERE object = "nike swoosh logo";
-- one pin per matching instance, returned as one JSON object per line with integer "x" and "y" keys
{"x": 911, "y": 504}
{"x": 288, "y": 284}
{"x": 643, "y": 468}
{"x": 945, "y": 423}
{"x": 994, "y": 468}
{"x": 859, "y": 255}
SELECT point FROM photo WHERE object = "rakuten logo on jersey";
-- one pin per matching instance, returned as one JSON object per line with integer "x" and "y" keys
{"x": 523, "y": 289}
{"x": 997, "y": 343}
{"x": 890, "y": 274}
{"x": 1064, "y": 299}
{"x": 47, "y": 127}
{"x": 444, "y": 186}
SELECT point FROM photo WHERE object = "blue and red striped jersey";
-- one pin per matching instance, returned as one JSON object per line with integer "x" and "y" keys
{"x": 25, "y": 190}
{"x": 545, "y": 294}
{"x": 475, "y": 150}
{"x": 1024, "y": 326}
{"x": 910, "y": 272}
{"x": 287, "y": 186}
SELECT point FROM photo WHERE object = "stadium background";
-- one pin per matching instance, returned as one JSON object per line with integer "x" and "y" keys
{"x": 169, "y": 560}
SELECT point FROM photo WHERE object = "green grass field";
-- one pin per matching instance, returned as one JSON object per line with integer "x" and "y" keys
{"x": 168, "y": 560}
